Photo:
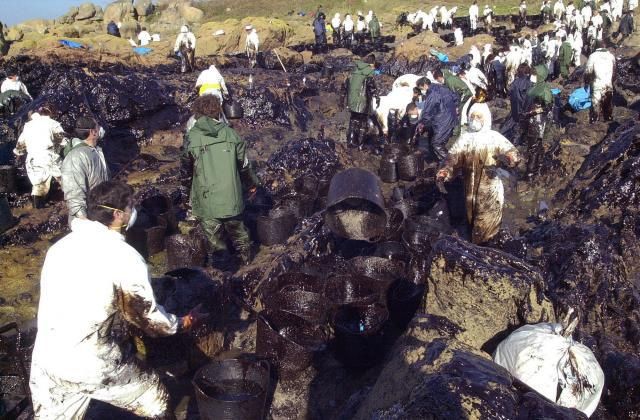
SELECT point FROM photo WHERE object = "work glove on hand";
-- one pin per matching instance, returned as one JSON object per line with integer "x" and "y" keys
{"x": 193, "y": 319}
{"x": 442, "y": 175}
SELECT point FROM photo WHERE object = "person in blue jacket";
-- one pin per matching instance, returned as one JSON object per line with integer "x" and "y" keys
{"x": 439, "y": 116}
{"x": 112, "y": 29}
{"x": 320, "y": 32}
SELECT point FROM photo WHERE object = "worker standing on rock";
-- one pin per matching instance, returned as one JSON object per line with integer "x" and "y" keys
{"x": 488, "y": 18}
{"x": 522, "y": 10}
{"x": 211, "y": 82}
{"x": 336, "y": 25}
{"x": 374, "y": 29}
{"x": 220, "y": 165}
{"x": 42, "y": 139}
{"x": 83, "y": 167}
{"x": 536, "y": 110}
{"x": 361, "y": 29}
{"x": 474, "y": 12}
{"x": 439, "y": 116}
{"x": 13, "y": 83}
{"x": 320, "y": 32}
{"x": 112, "y": 29}
{"x": 252, "y": 44}
{"x": 186, "y": 45}
{"x": 458, "y": 35}
{"x": 347, "y": 31}
{"x": 93, "y": 283}
{"x": 565, "y": 57}
{"x": 478, "y": 152}
{"x": 361, "y": 91}
{"x": 599, "y": 73}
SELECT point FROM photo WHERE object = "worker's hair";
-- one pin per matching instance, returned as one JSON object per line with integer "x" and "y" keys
{"x": 437, "y": 74}
{"x": 370, "y": 59}
{"x": 47, "y": 109}
{"x": 524, "y": 70}
{"x": 83, "y": 126}
{"x": 144, "y": 28}
{"x": 411, "y": 107}
{"x": 416, "y": 90}
{"x": 206, "y": 106}
{"x": 114, "y": 194}
{"x": 424, "y": 81}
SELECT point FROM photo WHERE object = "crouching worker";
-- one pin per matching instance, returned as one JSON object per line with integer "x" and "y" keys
{"x": 220, "y": 165}
{"x": 478, "y": 152}
{"x": 82, "y": 351}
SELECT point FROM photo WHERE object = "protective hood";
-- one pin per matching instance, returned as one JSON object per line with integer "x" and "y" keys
{"x": 541, "y": 72}
{"x": 184, "y": 29}
{"x": 210, "y": 129}
{"x": 363, "y": 68}
{"x": 482, "y": 109}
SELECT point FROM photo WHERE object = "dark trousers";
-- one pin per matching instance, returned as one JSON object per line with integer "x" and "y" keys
{"x": 234, "y": 227}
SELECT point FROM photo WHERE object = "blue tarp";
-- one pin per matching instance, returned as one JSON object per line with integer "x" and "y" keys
{"x": 142, "y": 50}
{"x": 71, "y": 44}
{"x": 444, "y": 58}
{"x": 580, "y": 99}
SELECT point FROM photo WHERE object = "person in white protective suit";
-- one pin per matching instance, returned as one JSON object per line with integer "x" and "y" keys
{"x": 476, "y": 58}
{"x": 458, "y": 36}
{"x": 427, "y": 21}
{"x": 444, "y": 17}
{"x": 478, "y": 152}
{"x": 558, "y": 10}
{"x": 211, "y": 82}
{"x": 251, "y": 45}
{"x": 586, "y": 13}
{"x": 186, "y": 45}
{"x": 43, "y": 139}
{"x": 512, "y": 61}
{"x": 347, "y": 30}
{"x": 474, "y": 12}
{"x": 144, "y": 37}
{"x": 553, "y": 46}
{"x": 487, "y": 50}
{"x": 600, "y": 72}
{"x": 13, "y": 82}
{"x": 368, "y": 18}
{"x": 93, "y": 286}
{"x": 568, "y": 13}
{"x": 578, "y": 22}
{"x": 336, "y": 22}
{"x": 576, "y": 45}
{"x": 84, "y": 166}
{"x": 527, "y": 50}
{"x": 488, "y": 17}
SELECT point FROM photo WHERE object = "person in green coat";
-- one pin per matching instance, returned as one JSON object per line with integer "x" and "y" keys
{"x": 455, "y": 84}
{"x": 361, "y": 90}
{"x": 538, "y": 105}
{"x": 374, "y": 28}
{"x": 565, "y": 57}
{"x": 219, "y": 165}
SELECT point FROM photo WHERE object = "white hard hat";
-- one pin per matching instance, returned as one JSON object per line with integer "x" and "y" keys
{"x": 184, "y": 29}
{"x": 248, "y": 27}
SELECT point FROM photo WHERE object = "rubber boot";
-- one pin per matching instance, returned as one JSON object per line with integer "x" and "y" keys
{"x": 607, "y": 106}
{"x": 38, "y": 201}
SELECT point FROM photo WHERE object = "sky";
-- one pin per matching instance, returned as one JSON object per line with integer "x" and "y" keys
{"x": 16, "y": 11}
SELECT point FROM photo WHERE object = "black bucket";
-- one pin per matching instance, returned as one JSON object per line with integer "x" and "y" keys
{"x": 185, "y": 251}
{"x": 394, "y": 150}
{"x": 421, "y": 232}
{"x": 388, "y": 169}
{"x": 277, "y": 227}
{"x": 296, "y": 281}
{"x": 358, "y": 335}
{"x": 300, "y": 205}
{"x": 392, "y": 250}
{"x": 355, "y": 206}
{"x": 147, "y": 241}
{"x": 403, "y": 301}
{"x": 7, "y": 179}
{"x": 410, "y": 166}
{"x": 384, "y": 270}
{"x": 289, "y": 341}
{"x": 232, "y": 110}
{"x": 312, "y": 307}
{"x": 408, "y": 207}
{"x": 160, "y": 209}
{"x": 307, "y": 186}
{"x": 232, "y": 389}
{"x": 353, "y": 289}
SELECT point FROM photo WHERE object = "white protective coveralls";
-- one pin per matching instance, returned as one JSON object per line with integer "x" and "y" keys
{"x": 600, "y": 66}
{"x": 597, "y": 23}
{"x": 92, "y": 280}
{"x": 552, "y": 54}
{"x": 211, "y": 82}
{"x": 527, "y": 51}
{"x": 474, "y": 12}
{"x": 586, "y": 13}
{"x": 335, "y": 22}
{"x": 475, "y": 152}
{"x": 9, "y": 84}
{"x": 475, "y": 54}
{"x": 43, "y": 138}
{"x": 512, "y": 62}
{"x": 576, "y": 44}
{"x": 368, "y": 18}
{"x": 185, "y": 37}
{"x": 457, "y": 34}
{"x": 487, "y": 15}
{"x": 252, "y": 44}
{"x": 558, "y": 10}
{"x": 144, "y": 37}
{"x": 568, "y": 14}
{"x": 82, "y": 169}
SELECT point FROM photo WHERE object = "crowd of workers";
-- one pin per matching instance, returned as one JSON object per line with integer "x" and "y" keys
{"x": 79, "y": 356}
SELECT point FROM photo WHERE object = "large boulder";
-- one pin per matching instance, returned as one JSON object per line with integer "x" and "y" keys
{"x": 86, "y": 11}
{"x": 143, "y": 7}
{"x": 41, "y": 26}
{"x": 432, "y": 374}
{"x": 419, "y": 45}
{"x": 191, "y": 14}
{"x": 485, "y": 291}
{"x": 290, "y": 58}
{"x": 65, "y": 31}
{"x": 129, "y": 29}
{"x": 14, "y": 34}
{"x": 118, "y": 11}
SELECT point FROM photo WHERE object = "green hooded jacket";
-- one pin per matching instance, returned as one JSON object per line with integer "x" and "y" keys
{"x": 219, "y": 156}
{"x": 357, "y": 95}
{"x": 565, "y": 54}
{"x": 456, "y": 85}
{"x": 541, "y": 92}
{"x": 374, "y": 27}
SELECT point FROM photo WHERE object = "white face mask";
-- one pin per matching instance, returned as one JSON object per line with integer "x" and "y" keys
{"x": 101, "y": 133}
{"x": 132, "y": 219}
{"x": 533, "y": 78}
{"x": 475, "y": 125}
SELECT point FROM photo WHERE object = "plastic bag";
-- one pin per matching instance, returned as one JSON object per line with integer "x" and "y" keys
{"x": 557, "y": 367}
{"x": 580, "y": 99}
